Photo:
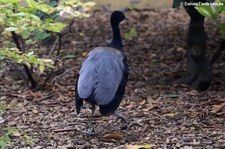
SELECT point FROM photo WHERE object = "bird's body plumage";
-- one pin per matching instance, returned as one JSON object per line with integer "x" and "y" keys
{"x": 102, "y": 75}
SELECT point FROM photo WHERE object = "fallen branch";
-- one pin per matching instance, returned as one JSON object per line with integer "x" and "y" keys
{"x": 43, "y": 98}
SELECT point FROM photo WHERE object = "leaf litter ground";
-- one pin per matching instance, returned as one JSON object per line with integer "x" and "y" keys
{"x": 159, "y": 111}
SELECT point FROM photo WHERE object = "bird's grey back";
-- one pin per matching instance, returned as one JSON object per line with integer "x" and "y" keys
{"x": 101, "y": 74}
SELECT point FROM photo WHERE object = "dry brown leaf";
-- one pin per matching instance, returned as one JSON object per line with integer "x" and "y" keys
{"x": 152, "y": 100}
{"x": 35, "y": 111}
{"x": 201, "y": 114}
{"x": 138, "y": 146}
{"x": 84, "y": 54}
{"x": 142, "y": 102}
{"x": 170, "y": 114}
{"x": 218, "y": 108}
{"x": 192, "y": 92}
{"x": 70, "y": 94}
{"x": 195, "y": 114}
{"x": 131, "y": 105}
{"x": 114, "y": 136}
{"x": 13, "y": 102}
{"x": 148, "y": 108}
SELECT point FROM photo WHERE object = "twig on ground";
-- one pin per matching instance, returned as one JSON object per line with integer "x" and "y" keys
{"x": 43, "y": 98}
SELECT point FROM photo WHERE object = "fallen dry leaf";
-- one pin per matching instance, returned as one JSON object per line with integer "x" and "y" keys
{"x": 170, "y": 114}
{"x": 114, "y": 136}
{"x": 131, "y": 105}
{"x": 84, "y": 54}
{"x": 138, "y": 146}
{"x": 195, "y": 114}
{"x": 13, "y": 102}
{"x": 218, "y": 108}
{"x": 148, "y": 108}
{"x": 142, "y": 102}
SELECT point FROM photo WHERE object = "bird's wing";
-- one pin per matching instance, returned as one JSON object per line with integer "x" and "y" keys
{"x": 100, "y": 75}
{"x": 87, "y": 76}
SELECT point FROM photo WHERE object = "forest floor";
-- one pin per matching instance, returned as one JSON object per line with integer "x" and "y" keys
{"x": 160, "y": 113}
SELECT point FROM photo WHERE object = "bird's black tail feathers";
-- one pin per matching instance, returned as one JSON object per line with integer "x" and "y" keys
{"x": 78, "y": 100}
{"x": 79, "y": 104}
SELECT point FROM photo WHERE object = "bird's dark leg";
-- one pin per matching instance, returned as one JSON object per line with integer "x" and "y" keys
{"x": 90, "y": 130}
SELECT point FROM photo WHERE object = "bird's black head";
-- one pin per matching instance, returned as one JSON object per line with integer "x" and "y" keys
{"x": 117, "y": 17}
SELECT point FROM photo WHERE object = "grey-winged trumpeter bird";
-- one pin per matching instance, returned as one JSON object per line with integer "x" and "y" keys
{"x": 103, "y": 75}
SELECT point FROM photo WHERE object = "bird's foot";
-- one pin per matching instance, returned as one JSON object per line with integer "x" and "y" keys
{"x": 90, "y": 131}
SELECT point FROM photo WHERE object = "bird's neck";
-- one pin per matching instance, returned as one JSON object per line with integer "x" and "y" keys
{"x": 116, "y": 40}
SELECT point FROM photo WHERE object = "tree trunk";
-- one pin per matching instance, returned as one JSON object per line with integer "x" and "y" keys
{"x": 199, "y": 69}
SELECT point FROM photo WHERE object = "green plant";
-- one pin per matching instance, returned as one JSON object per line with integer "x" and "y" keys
{"x": 2, "y": 107}
{"x": 8, "y": 132}
{"x": 214, "y": 12}
{"x": 25, "y": 24}
{"x": 131, "y": 34}
{"x": 4, "y": 140}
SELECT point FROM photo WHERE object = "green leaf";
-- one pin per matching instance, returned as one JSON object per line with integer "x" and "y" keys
{"x": 41, "y": 68}
{"x": 25, "y": 14}
{"x": 30, "y": 53}
{"x": 53, "y": 3}
{"x": 2, "y": 58}
{"x": 31, "y": 3}
{"x": 30, "y": 41}
{"x": 9, "y": 1}
{"x": 11, "y": 29}
{"x": 11, "y": 130}
{"x": 25, "y": 33}
{"x": 41, "y": 35}
{"x": 33, "y": 60}
{"x": 2, "y": 144}
{"x": 2, "y": 107}
{"x": 207, "y": 11}
{"x": 221, "y": 8}
{"x": 131, "y": 34}
{"x": 4, "y": 140}
{"x": 69, "y": 56}
{"x": 88, "y": 5}
{"x": 55, "y": 27}
{"x": 45, "y": 8}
